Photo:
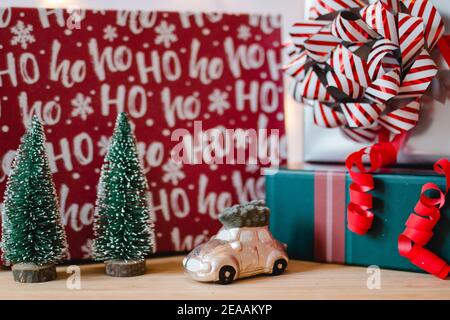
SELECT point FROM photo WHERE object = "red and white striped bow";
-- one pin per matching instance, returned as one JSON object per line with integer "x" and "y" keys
{"x": 364, "y": 67}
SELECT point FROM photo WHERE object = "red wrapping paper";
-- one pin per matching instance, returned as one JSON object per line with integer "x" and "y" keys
{"x": 167, "y": 70}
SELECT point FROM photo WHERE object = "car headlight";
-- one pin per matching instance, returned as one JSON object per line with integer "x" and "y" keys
{"x": 197, "y": 265}
{"x": 205, "y": 266}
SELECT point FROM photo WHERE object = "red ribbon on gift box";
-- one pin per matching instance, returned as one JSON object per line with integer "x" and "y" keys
{"x": 382, "y": 154}
{"x": 420, "y": 224}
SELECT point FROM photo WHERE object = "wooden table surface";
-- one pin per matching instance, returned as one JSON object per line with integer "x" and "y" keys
{"x": 165, "y": 280}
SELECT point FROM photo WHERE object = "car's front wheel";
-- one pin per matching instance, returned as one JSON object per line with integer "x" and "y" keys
{"x": 279, "y": 266}
{"x": 226, "y": 274}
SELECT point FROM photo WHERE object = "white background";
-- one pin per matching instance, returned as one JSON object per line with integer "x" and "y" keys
{"x": 291, "y": 11}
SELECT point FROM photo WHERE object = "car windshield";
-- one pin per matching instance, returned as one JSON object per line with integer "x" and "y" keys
{"x": 224, "y": 235}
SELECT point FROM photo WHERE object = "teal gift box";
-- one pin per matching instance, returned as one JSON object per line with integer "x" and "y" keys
{"x": 308, "y": 213}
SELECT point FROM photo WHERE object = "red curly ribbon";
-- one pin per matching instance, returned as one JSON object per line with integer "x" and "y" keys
{"x": 420, "y": 224}
{"x": 382, "y": 154}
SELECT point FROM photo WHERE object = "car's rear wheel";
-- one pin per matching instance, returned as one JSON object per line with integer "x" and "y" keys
{"x": 279, "y": 266}
{"x": 226, "y": 274}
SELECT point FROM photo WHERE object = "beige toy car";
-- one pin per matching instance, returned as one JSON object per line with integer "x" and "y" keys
{"x": 237, "y": 252}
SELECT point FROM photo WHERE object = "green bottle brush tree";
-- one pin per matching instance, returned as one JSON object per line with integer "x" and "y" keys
{"x": 33, "y": 238}
{"x": 122, "y": 225}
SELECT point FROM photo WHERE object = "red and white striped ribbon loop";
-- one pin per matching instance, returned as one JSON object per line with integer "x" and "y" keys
{"x": 325, "y": 116}
{"x": 362, "y": 115}
{"x": 411, "y": 37}
{"x": 354, "y": 46}
{"x": 361, "y": 135}
{"x": 313, "y": 89}
{"x": 349, "y": 27}
{"x": 364, "y": 65}
{"x": 324, "y": 7}
{"x": 384, "y": 88}
{"x": 344, "y": 85}
{"x": 381, "y": 58}
{"x": 392, "y": 5}
{"x": 419, "y": 77}
{"x": 402, "y": 119}
{"x": 301, "y": 31}
{"x": 350, "y": 65}
{"x": 381, "y": 20}
{"x": 294, "y": 91}
{"x": 320, "y": 45}
{"x": 296, "y": 68}
{"x": 291, "y": 51}
{"x": 434, "y": 26}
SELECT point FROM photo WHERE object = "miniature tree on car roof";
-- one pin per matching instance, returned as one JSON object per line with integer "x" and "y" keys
{"x": 251, "y": 214}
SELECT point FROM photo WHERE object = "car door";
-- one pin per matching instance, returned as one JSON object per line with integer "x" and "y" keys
{"x": 265, "y": 248}
{"x": 249, "y": 255}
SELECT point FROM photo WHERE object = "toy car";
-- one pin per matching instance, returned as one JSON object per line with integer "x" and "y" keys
{"x": 237, "y": 252}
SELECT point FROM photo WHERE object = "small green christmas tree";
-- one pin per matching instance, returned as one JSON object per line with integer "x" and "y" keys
{"x": 5, "y": 234}
{"x": 122, "y": 225}
{"x": 32, "y": 232}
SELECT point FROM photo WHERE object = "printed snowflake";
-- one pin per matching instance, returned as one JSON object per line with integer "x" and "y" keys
{"x": 82, "y": 106}
{"x": 110, "y": 33}
{"x": 22, "y": 34}
{"x": 243, "y": 32}
{"x": 103, "y": 145}
{"x": 165, "y": 33}
{"x": 87, "y": 249}
{"x": 218, "y": 101}
{"x": 173, "y": 172}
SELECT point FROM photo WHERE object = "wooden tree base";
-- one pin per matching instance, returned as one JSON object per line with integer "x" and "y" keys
{"x": 119, "y": 268}
{"x": 31, "y": 273}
